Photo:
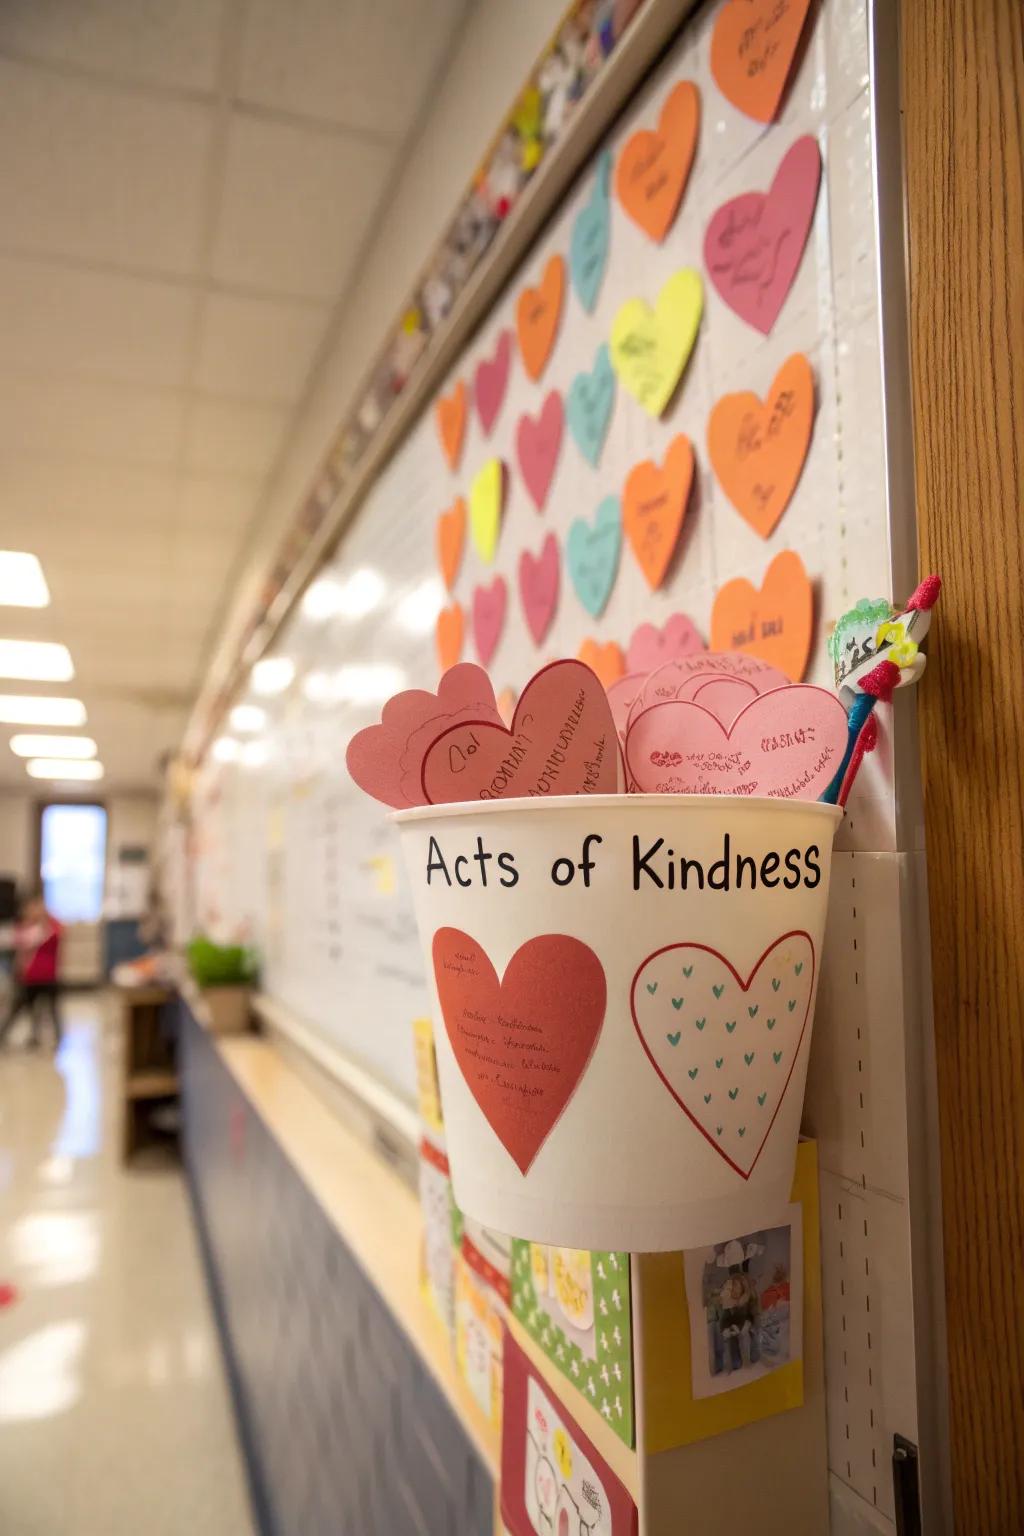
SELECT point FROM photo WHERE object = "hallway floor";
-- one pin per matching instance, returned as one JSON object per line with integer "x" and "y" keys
{"x": 115, "y": 1416}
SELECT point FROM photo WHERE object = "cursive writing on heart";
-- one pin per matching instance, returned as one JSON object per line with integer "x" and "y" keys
{"x": 561, "y": 742}
{"x": 538, "y": 312}
{"x": 589, "y": 406}
{"x": 651, "y": 647}
{"x": 538, "y": 440}
{"x": 654, "y": 502}
{"x": 754, "y": 242}
{"x": 757, "y": 450}
{"x": 449, "y": 635}
{"x": 752, "y": 50}
{"x": 593, "y": 555}
{"x": 486, "y": 501}
{"x": 774, "y": 623}
{"x": 538, "y": 587}
{"x": 451, "y": 538}
{"x": 651, "y": 347}
{"x": 730, "y": 1074}
{"x": 522, "y": 1043}
{"x": 692, "y": 676}
{"x": 489, "y": 617}
{"x": 490, "y": 382}
{"x": 653, "y": 167}
{"x": 450, "y": 413}
{"x": 588, "y": 245}
{"x": 785, "y": 744}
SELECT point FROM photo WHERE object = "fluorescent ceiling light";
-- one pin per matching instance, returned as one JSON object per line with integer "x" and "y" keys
{"x": 318, "y": 687}
{"x": 361, "y": 593}
{"x": 22, "y": 583}
{"x": 40, "y": 661}
{"x": 272, "y": 675}
{"x": 225, "y": 750}
{"x": 323, "y": 599}
{"x": 53, "y": 746}
{"x": 370, "y": 684}
{"x": 254, "y": 754}
{"x": 418, "y": 610}
{"x": 40, "y": 709}
{"x": 57, "y": 768}
{"x": 247, "y": 718}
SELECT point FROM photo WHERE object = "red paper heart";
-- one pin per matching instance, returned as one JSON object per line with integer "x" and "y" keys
{"x": 538, "y": 587}
{"x": 650, "y": 647}
{"x": 490, "y": 382}
{"x": 489, "y": 617}
{"x": 538, "y": 439}
{"x": 551, "y": 998}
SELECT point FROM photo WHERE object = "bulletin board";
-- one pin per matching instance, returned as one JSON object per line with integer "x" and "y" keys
{"x": 290, "y": 852}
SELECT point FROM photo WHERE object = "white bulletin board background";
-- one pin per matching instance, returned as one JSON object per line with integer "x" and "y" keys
{"x": 293, "y": 854}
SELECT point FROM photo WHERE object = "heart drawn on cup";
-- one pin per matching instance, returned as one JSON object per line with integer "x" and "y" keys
{"x": 486, "y": 501}
{"x": 449, "y": 635}
{"x": 651, "y": 347}
{"x": 736, "y": 1120}
{"x": 752, "y": 51}
{"x": 757, "y": 448}
{"x": 538, "y": 440}
{"x": 654, "y": 502}
{"x": 451, "y": 539}
{"x": 538, "y": 587}
{"x": 450, "y": 413}
{"x": 653, "y": 167}
{"x": 538, "y": 312}
{"x": 773, "y": 623}
{"x": 588, "y": 244}
{"x": 490, "y": 382}
{"x": 489, "y": 605}
{"x": 553, "y": 995}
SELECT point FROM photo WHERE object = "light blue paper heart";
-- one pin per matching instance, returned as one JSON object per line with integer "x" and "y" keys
{"x": 588, "y": 247}
{"x": 592, "y": 553}
{"x": 589, "y": 406}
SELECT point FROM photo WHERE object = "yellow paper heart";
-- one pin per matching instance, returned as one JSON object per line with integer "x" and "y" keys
{"x": 485, "y": 498}
{"x": 650, "y": 347}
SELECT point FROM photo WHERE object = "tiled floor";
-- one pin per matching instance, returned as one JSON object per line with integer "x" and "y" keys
{"x": 115, "y": 1418}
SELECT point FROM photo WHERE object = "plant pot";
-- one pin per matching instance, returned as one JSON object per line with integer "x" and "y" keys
{"x": 227, "y": 1009}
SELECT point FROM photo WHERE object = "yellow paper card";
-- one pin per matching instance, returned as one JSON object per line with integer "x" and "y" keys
{"x": 651, "y": 347}
{"x": 485, "y": 498}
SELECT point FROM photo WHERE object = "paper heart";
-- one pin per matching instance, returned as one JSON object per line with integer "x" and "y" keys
{"x": 386, "y": 760}
{"x": 705, "y": 676}
{"x": 654, "y": 503}
{"x": 774, "y": 623}
{"x": 654, "y": 166}
{"x": 451, "y": 538}
{"x": 650, "y": 347}
{"x": 651, "y": 647}
{"x": 538, "y": 587}
{"x": 606, "y": 661}
{"x": 553, "y": 994}
{"x": 593, "y": 555}
{"x": 735, "y": 1120}
{"x": 507, "y": 705}
{"x": 538, "y": 440}
{"x": 752, "y": 51}
{"x": 724, "y": 697}
{"x": 486, "y": 500}
{"x": 450, "y": 413}
{"x": 561, "y": 742}
{"x": 490, "y": 382}
{"x": 589, "y": 406}
{"x": 489, "y": 617}
{"x": 621, "y": 696}
{"x": 538, "y": 311}
{"x": 448, "y": 635}
{"x": 754, "y": 242}
{"x": 786, "y": 744}
{"x": 757, "y": 450}
{"x": 588, "y": 245}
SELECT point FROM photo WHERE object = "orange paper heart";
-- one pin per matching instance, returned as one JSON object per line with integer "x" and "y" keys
{"x": 653, "y": 507}
{"x": 450, "y": 413}
{"x": 752, "y": 51}
{"x": 758, "y": 449}
{"x": 537, "y": 315}
{"x": 653, "y": 167}
{"x": 774, "y": 623}
{"x": 507, "y": 704}
{"x": 607, "y": 661}
{"x": 451, "y": 536}
{"x": 450, "y": 627}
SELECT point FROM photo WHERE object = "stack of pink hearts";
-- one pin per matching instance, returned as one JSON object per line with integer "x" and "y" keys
{"x": 711, "y": 723}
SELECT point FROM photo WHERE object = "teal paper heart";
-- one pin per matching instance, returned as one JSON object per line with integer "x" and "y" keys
{"x": 592, "y": 555}
{"x": 589, "y": 404}
{"x": 588, "y": 244}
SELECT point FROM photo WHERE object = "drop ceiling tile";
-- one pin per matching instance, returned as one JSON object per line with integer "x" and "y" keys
{"x": 72, "y": 419}
{"x": 217, "y": 501}
{"x": 167, "y": 42}
{"x": 94, "y": 173}
{"x": 258, "y": 349}
{"x": 233, "y": 436}
{"x": 90, "y": 499}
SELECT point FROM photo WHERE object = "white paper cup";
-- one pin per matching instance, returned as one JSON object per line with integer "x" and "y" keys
{"x": 708, "y": 989}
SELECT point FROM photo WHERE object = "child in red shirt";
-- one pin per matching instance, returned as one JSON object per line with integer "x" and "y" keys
{"x": 37, "y": 945}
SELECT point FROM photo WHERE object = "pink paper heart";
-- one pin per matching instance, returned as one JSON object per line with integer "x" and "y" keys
{"x": 651, "y": 647}
{"x": 686, "y": 675}
{"x": 489, "y": 617}
{"x": 561, "y": 742}
{"x": 490, "y": 382}
{"x": 538, "y": 587}
{"x": 754, "y": 242}
{"x": 723, "y": 696}
{"x": 386, "y": 760}
{"x": 786, "y": 744}
{"x": 538, "y": 440}
{"x": 621, "y": 696}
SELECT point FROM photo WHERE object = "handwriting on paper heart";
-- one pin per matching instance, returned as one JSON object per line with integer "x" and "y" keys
{"x": 654, "y": 502}
{"x": 754, "y": 242}
{"x": 653, "y": 167}
{"x": 538, "y": 440}
{"x": 588, "y": 245}
{"x": 783, "y": 745}
{"x": 651, "y": 347}
{"x": 538, "y": 312}
{"x": 651, "y": 647}
{"x": 757, "y": 449}
{"x": 606, "y": 660}
{"x": 538, "y": 587}
{"x": 561, "y": 742}
{"x": 448, "y": 635}
{"x": 745, "y": 1096}
{"x": 450, "y": 414}
{"x": 592, "y": 551}
{"x": 522, "y": 1043}
{"x": 774, "y": 623}
{"x": 490, "y": 382}
{"x": 752, "y": 51}
{"x": 621, "y": 697}
{"x": 386, "y": 760}
{"x": 451, "y": 539}
{"x": 589, "y": 406}
{"x": 489, "y": 605}
{"x": 722, "y": 681}
{"x": 486, "y": 500}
